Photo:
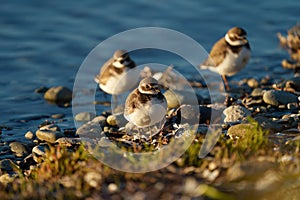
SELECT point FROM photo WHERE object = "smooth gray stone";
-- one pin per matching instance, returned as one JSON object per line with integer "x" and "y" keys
{"x": 58, "y": 94}
{"x": 40, "y": 149}
{"x": 18, "y": 148}
{"x": 49, "y": 133}
{"x": 276, "y": 98}
{"x": 84, "y": 116}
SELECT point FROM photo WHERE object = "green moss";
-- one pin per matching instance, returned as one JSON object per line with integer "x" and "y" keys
{"x": 255, "y": 138}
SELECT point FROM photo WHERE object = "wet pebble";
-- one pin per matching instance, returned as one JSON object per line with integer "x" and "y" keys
{"x": 84, "y": 116}
{"x": 18, "y": 148}
{"x": 49, "y": 133}
{"x": 190, "y": 185}
{"x": 40, "y": 149}
{"x": 41, "y": 89}
{"x": 235, "y": 113}
{"x": 93, "y": 179}
{"x": 29, "y": 135}
{"x": 58, "y": 94}
{"x": 253, "y": 83}
{"x": 293, "y": 83}
{"x": 58, "y": 116}
{"x": 252, "y": 101}
{"x": 176, "y": 98}
{"x": 276, "y": 98}
{"x": 69, "y": 141}
{"x": 257, "y": 92}
{"x": 112, "y": 188}
{"x": 91, "y": 129}
{"x": 117, "y": 120}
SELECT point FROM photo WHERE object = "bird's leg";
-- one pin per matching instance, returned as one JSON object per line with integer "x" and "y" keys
{"x": 226, "y": 82}
{"x": 115, "y": 102}
{"x": 150, "y": 130}
{"x": 139, "y": 133}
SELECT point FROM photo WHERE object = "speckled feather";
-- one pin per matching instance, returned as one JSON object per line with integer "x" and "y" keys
{"x": 138, "y": 100}
{"x": 220, "y": 50}
{"x": 108, "y": 69}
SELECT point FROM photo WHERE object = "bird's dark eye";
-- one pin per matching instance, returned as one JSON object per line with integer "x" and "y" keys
{"x": 122, "y": 61}
{"x": 148, "y": 86}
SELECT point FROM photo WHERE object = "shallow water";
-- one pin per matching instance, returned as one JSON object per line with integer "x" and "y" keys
{"x": 44, "y": 43}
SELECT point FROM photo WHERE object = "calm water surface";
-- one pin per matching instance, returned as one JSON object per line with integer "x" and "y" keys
{"x": 44, "y": 43}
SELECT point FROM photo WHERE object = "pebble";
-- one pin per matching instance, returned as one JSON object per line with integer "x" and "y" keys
{"x": 58, "y": 116}
{"x": 190, "y": 185}
{"x": 100, "y": 120}
{"x": 112, "y": 188}
{"x": 276, "y": 98}
{"x": 257, "y": 92}
{"x": 93, "y": 179}
{"x": 67, "y": 182}
{"x": 177, "y": 98}
{"x": 293, "y": 83}
{"x": 91, "y": 129}
{"x": 29, "y": 135}
{"x": 68, "y": 141}
{"x": 253, "y": 83}
{"x": 18, "y": 148}
{"x": 40, "y": 149}
{"x": 189, "y": 113}
{"x": 41, "y": 89}
{"x": 292, "y": 106}
{"x": 49, "y": 133}
{"x": 6, "y": 179}
{"x": 235, "y": 113}
{"x": 84, "y": 116}
{"x": 117, "y": 119}
{"x": 58, "y": 94}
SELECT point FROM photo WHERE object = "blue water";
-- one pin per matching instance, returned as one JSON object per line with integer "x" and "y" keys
{"x": 43, "y": 43}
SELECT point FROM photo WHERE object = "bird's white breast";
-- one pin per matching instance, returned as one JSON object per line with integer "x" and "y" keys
{"x": 233, "y": 63}
{"x": 120, "y": 83}
{"x": 149, "y": 114}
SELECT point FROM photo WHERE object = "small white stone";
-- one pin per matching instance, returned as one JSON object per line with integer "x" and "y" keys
{"x": 112, "y": 187}
{"x": 93, "y": 179}
{"x": 29, "y": 135}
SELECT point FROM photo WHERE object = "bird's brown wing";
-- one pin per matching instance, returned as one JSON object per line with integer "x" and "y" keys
{"x": 104, "y": 73}
{"x": 217, "y": 53}
{"x": 131, "y": 102}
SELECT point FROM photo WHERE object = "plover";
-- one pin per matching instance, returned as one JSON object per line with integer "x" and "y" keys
{"x": 146, "y": 105}
{"x": 230, "y": 54}
{"x": 114, "y": 77}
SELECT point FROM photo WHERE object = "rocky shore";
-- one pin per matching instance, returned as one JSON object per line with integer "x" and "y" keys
{"x": 275, "y": 107}
{"x": 256, "y": 156}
